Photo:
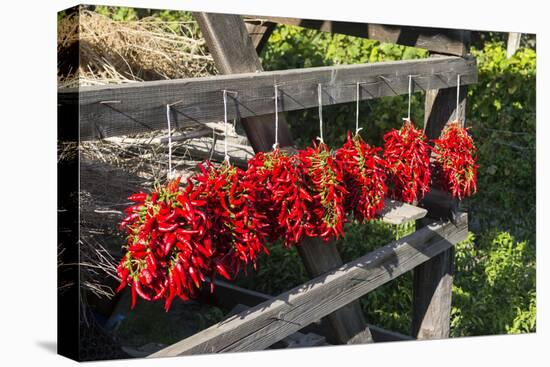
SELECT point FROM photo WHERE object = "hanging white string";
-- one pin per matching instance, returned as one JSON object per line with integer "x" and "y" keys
{"x": 357, "y": 96}
{"x": 276, "y": 144}
{"x": 409, "y": 105}
{"x": 226, "y": 157}
{"x": 320, "y": 101}
{"x": 169, "y": 174}
{"x": 458, "y": 98}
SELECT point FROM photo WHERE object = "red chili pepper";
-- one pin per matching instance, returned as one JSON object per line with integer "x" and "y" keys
{"x": 194, "y": 276}
{"x": 128, "y": 219}
{"x": 163, "y": 227}
{"x": 221, "y": 270}
{"x": 138, "y": 198}
{"x": 140, "y": 292}
{"x": 137, "y": 247}
{"x": 133, "y": 295}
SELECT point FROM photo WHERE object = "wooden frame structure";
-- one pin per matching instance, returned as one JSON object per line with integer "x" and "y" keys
{"x": 331, "y": 295}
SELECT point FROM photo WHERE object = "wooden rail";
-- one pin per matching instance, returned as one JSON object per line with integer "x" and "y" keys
{"x": 229, "y": 295}
{"x": 262, "y": 325}
{"x": 444, "y": 41}
{"x": 138, "y": 107}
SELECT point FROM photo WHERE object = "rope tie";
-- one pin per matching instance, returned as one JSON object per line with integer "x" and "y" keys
{"x": 226, "y": 156}
{"x": 409, "y": 104}
{"x": 170, "y": 172}
{"x": 320, "y": 102}
{"x": 276, "y": 144}
{"x": 458, "y": 98}
{"x": 357, "y": 96}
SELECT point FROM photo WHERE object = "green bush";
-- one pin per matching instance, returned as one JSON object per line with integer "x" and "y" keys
{"x": 494, "y": 288}
{"x": 501, "y": 111}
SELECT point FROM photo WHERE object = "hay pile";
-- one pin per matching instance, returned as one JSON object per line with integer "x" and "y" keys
{"x": 121, "y": 52}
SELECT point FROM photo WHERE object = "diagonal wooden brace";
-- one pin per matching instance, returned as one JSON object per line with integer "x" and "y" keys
{"x": 234, "y": 52}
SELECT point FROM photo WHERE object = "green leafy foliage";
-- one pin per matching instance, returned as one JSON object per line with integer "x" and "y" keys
{"x": 494, "y": 288}
{"x": 118, "y": 13}
{"x": 501, "y": 111}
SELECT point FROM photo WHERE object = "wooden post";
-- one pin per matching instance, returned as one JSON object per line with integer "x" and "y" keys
{"x": 514, "y": 40}
{"x": 234, "y": 52}
{"x": 433, "y": 280}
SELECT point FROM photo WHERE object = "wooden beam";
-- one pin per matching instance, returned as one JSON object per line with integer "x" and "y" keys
{"x": 272, "y": 320}
{"x": 259, "y": 33}
{"x": 440, "y": 40}
{"x": 113, "y": 110}
{"x": 396, "y": 212}
{"x": 348, "y": 324}
{"x": 234, "y": 53}
{"x": 382, "y": 335}
{"x": 433, "y": 280}
{"x": 229, "y": 295}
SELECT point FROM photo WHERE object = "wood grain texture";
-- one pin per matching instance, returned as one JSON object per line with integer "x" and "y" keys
{"x": 396, "y": 212}
{"x": 138, "y": 107}
{"x": 514, "y": 41}
{"x": 433, "y": 280}
{"x": 440, "y": 40}
{"x": 272, "y": 320}
{"x": 234, "y": 52}
{"x": 259, "y": 33}
{"x": 347, "y": 325}
{"x": 229, "y": 295}
{"x": 432, "y": 294}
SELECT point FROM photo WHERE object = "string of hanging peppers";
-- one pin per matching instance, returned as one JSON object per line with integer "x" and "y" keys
{"x": 222, "y": 218}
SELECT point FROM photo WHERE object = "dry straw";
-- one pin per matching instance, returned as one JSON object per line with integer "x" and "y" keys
{"x": 121, "y": 52}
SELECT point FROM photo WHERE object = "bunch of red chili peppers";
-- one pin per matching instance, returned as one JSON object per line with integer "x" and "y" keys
{"x": 222, "y": 218}
{"x": 407, "y": 156}
{"x": 455, "y": 161}
{"x": 364, "y": 174}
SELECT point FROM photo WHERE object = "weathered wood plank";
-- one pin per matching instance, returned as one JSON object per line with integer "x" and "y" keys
{"x": 233, "y": 52}
{"x": 113, "y": 110}
{"x": 432, "y": 291}
{"x": 396, "y": 212}
{"x": 433, "y": 280}
{"x": 382, "y": 335}
{"x": 229, "y": 295}
{"x": 259, "y": 33}
{"x": 440, "y": 40}
{"x": 514, "y": 41}
{"x": 347, "y": 325}
{"x": 275, "y": 319}
{"x": 297, "y": 340}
